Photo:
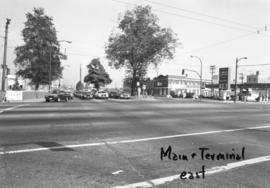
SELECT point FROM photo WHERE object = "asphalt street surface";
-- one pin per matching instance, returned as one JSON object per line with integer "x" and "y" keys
{"x": 132, "y": 143}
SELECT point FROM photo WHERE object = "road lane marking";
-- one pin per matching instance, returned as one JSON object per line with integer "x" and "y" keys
{"x": 213, "y": 170}
{"x": 13, "y": 107}
{"x": 132, "y": 140}
{"x": 117, "y": 172}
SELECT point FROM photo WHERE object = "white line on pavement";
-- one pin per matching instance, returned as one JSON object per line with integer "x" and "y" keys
{"x": 13, "y": 107}
{"x": 131, "y": 140}
{"x": 214, "y": 170}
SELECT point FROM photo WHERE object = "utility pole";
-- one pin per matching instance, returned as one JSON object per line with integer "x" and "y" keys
{"x": 50, "y": 69}
{"x": 235, "y": 80}
{"x": 4, "y": 66}
{"x": 201, "y": 94}
{"x": 212, "y": 71}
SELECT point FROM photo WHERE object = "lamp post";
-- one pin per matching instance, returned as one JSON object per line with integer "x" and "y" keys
{"x": 236, "y": 68}
{"x": 50, "y": 62}
{"x": 200, "y": 74}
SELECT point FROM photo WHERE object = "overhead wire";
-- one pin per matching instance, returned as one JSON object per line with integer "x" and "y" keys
{"x": 219, "y": 43}
{"x": 214, "y": 44}
{"x": 201, "y": 14}
{"x": 200, "y": 19}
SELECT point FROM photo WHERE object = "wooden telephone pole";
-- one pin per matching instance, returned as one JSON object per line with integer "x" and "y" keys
{"x": 4, "y": 66}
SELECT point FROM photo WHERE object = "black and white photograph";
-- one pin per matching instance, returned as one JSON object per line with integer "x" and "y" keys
{"x": 134, "y": 93}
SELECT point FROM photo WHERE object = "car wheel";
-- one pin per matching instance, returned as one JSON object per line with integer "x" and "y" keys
{"x": 47, "y": 100}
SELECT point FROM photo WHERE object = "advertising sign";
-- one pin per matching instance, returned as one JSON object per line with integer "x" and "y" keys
{"x": 14, "y": 95}
{"x": 224, "y": 78}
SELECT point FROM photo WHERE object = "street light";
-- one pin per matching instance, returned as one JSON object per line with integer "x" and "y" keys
{"x": 236, "y": 68}
{"x": 200, "y": 74}
{"x": 50, "y": 61}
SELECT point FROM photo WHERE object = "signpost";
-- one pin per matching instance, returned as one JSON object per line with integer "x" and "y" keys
{"x": 143, "y": 89}
{"x": 224, "y": 78}
{"x": 138, "y": 89}
{"x": 224, "y": 81}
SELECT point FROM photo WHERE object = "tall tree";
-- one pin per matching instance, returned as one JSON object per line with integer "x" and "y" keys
{"x": 97, "y": 74}
{"x": 39, "y": 56}
{"x": 79, "y": 86}
{"x": 140, "y": 43}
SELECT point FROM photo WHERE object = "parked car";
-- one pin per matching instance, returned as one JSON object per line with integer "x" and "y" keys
{"x": 124, "y": 95}
{"x": 69, "y": 94}
{"x": 87, "y": 95}
{"x": 101, "y": 95}
{"x": 56, "y": 96}
{"x": 78, "y": 94}
{"x": 252, "y": 97}
{"x": 114, "y": 94}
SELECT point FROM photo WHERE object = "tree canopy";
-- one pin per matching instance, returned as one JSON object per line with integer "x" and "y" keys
{"x": 97, "y": 74}
{"x": 79, "y": 86}
{"x": 39, "y": 56}
{"x": 139, "y": 43}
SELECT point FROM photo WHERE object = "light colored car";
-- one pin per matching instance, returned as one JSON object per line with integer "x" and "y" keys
{"x": 101, "y": 95}
{"x": 124, "y": 95}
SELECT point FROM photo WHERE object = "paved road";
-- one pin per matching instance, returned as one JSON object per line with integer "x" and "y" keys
{"x": 110, "y": 143}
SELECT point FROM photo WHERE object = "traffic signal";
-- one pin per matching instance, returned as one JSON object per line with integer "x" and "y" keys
{"x": 183, "y": 71}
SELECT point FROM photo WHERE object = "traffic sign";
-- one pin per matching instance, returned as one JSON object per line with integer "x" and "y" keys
{"x": 224, "y": 78}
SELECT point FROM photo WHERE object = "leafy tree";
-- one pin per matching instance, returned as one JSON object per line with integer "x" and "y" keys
{"x": 79, "y": 85}
{"x": 16, "y": 85}
{"x": 39, "y": 49}
{"x": 139, "y": 43}
{"x": 97, "y": 74}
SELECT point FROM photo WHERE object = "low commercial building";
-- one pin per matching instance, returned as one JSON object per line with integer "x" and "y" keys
{"x": 178, "y": 85}
{"x": 253, "y": 78}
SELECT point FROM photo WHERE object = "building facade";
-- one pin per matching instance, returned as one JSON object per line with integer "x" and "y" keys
{"x": 253, "y": 78}
{"x": 178, "y": 85}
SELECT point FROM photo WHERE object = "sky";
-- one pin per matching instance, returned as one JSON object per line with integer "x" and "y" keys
{"x": 216, "y": 31}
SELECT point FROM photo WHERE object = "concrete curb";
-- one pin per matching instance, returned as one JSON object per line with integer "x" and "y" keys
{"x": 27, "y": 101}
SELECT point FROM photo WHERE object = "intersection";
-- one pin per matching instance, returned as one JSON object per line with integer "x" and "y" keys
{"x": 114, "y": 143}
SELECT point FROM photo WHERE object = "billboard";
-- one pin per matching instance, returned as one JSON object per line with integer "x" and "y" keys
{"x": 224, "y": 78}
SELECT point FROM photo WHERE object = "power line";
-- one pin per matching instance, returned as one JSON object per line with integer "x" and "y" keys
{"x": 198, "y": 19}
{"x": 254, "y": 65}
{"x": 211, "y": 45}
{"x": 220, "y": 43}
{"x": 258, "y": 30}
{"x": 201, "y": 14}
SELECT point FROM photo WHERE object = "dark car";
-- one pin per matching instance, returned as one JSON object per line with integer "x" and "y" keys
{"x": 69, "y": 94}
{"x": 56, "y": 96}
{"x": 114, "y": 94}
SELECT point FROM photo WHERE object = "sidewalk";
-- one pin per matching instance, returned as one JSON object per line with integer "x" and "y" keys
{"x": 240, "y": 102}
{"x": 26, "y": 101}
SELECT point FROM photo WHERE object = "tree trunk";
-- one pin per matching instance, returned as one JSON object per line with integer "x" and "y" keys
{"x": 37, "y": 86}
{"x": 133, "y": 83}
{"x": 97, "y": 86}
